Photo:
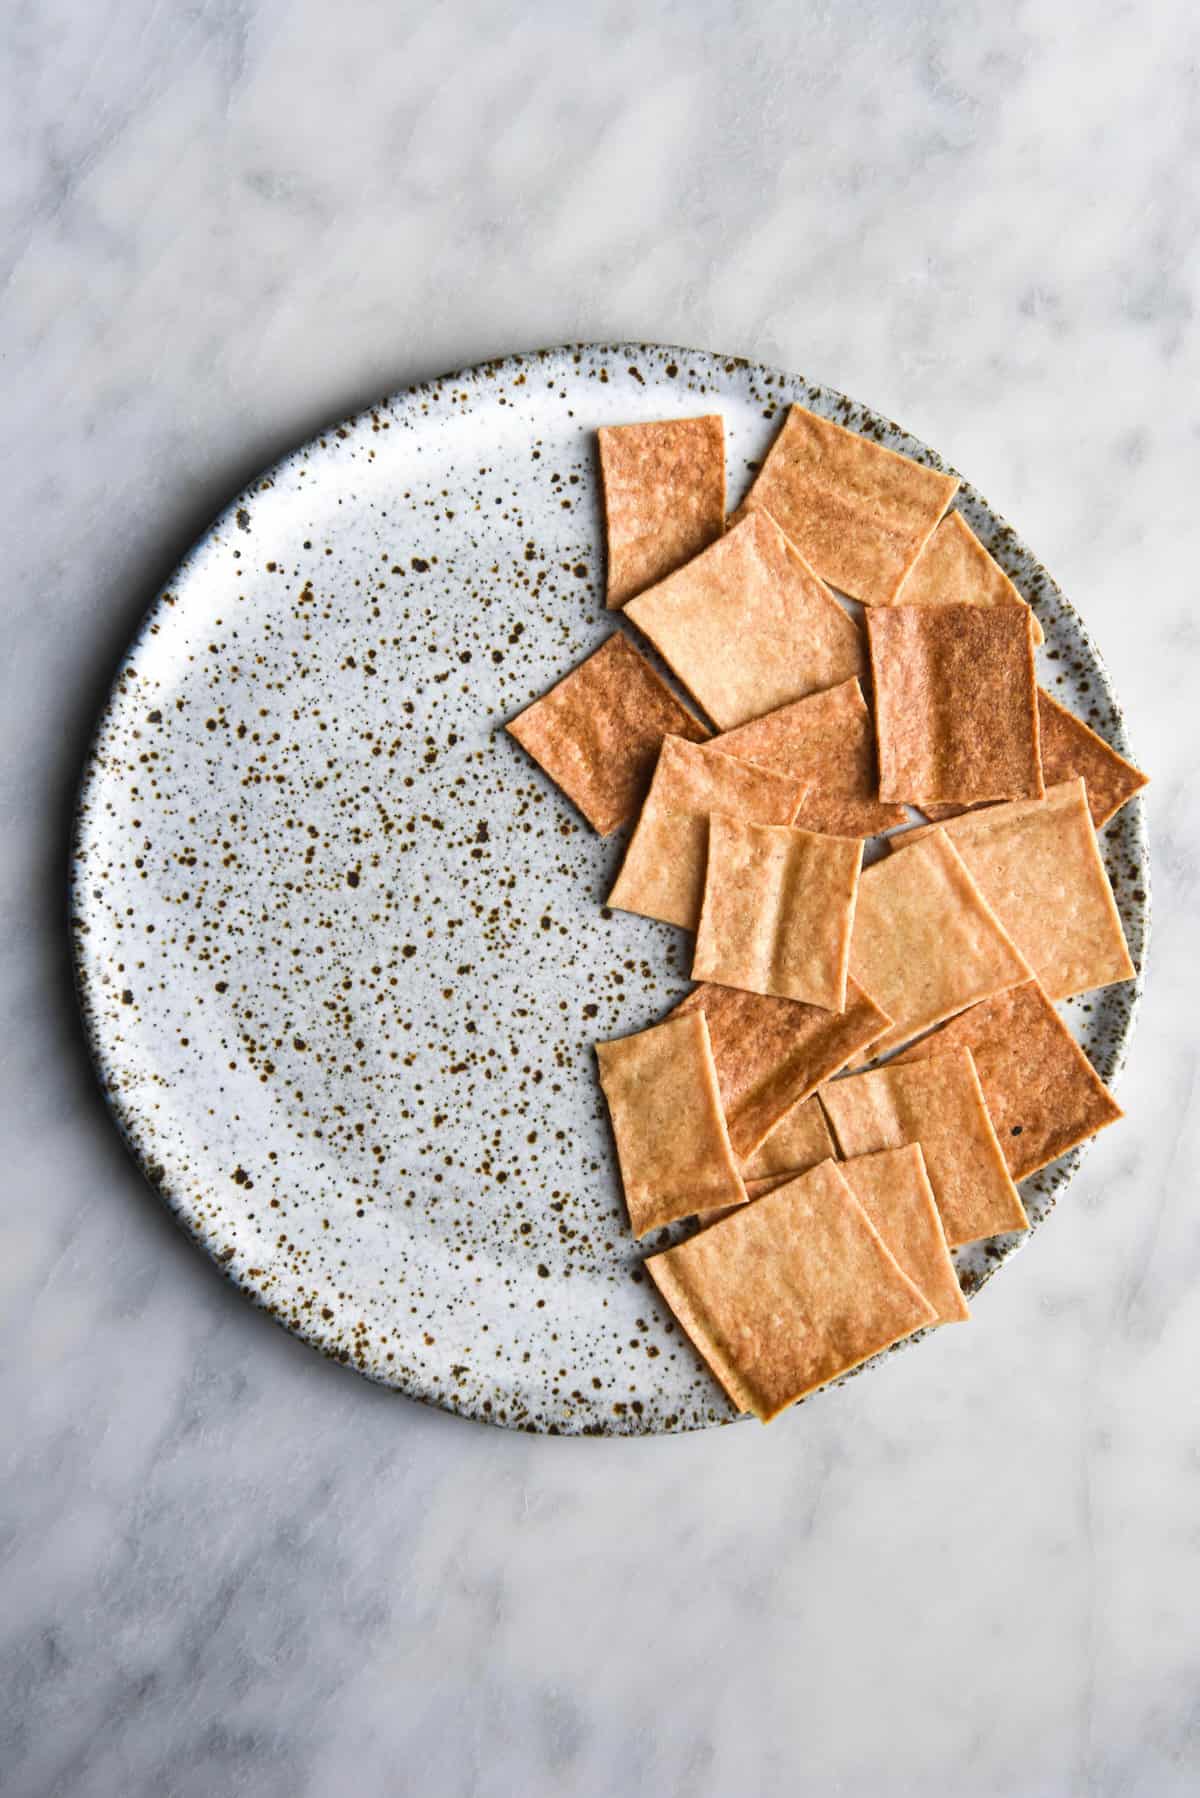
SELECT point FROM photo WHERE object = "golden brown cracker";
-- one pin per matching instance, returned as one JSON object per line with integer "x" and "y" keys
{"x": 770, "y": 1054}
{"x": 1042, "y": 1093}
{"x": 956, "y": 712}
{"x": 778, "y": 910}
{"x": 664, "y": 497}
{"x": 672, "y": 1144}
{"x": 938, "y": 1103}
{"x": 926, "y": 943}
{"x": 797, "y": 1142}
{"x": 747, "y": 626}
{"x": 662, "y": 875}
{"x": 827, "y": 741}
{"x": 955, "y": 569}
{"x": 597, "y": 733}
{"x": 859, "y": 514}
{"x": 893, "y": 1189}
{"x": 789, "y": 1292}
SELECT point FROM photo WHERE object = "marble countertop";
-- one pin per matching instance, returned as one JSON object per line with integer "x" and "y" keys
{"x": 227, "y": 1566}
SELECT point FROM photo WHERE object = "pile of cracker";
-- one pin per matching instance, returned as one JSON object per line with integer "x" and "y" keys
{"x": 827, "y": 1208}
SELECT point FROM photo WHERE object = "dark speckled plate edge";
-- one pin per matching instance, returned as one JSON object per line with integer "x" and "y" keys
{"x": 1124, "y": 840}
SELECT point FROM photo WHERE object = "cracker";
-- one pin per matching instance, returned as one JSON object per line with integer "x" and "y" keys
{"x": 1042, "y": 1093}
{"x": 893, "y": 1189}
{"x": 672, "y": 1144}
{"x": 771, "y": 1054}
{"x": 955, "y": 703}
{"x": 938, "y": 1103}
{"x": 789, "y": 1292}
{"x": 662, "y": 875}
{"x": 858, "y": 513}
{"x": 778, "y": 911}
{"x": 926, "y": 943}
{"x": 1037, "y": 863}
{"x": 747, "y": 626}
{"x": 955, "y": 569}
{"x": 826, "y": 740}
{"x": 1070, "y": 750}
{"x": 797, "y": 1142}
{"x": 664, "y": 497}
{"x": 597, "y": 733}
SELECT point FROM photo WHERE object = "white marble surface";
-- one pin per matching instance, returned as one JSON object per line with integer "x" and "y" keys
{"x": 228, "y": 1567}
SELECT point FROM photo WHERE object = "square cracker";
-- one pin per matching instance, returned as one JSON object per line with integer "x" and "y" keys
{"x": 1070, "y": 750}
{"x": 797, "y": 1142}
{"x": 826, "y": 740}
{"x": 955, "y": 703}
{"x": 938, "y": 1103}
{"x": 926, "y": 942}
{"x": 955, "y": 569}
{"x": 893, "y": 1189}
{"x": 1037, "y": 863}
{"x": 662, "y": 875}
{"x": 664, "y": 497}
{"x": 747, "y": 626}
{"x": 1042, "y": 1093}
{"x": 859, "y": 514}
{"x": 771, "y": 1054}
{"x": 778, "y": 911}
{"x": 789, "y": 1292}
{"x": 672, "y": 1144}
{"x": 598, "y": 732}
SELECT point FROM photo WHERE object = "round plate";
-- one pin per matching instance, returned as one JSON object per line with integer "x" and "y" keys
{"x": 341, "y": 948}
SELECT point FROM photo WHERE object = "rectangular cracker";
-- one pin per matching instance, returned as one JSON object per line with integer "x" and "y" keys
{"x": 664, "y": 497}
{"x": 665, "y": 1105}
{"x": 662, "y": 875}
{"x": 789, "y": 1292}
{"x": 938, "y": 1103}
{"x": 893, "y": 1189}
{"x": 597, "y": 733}
{"x": 771, "y": 1054}
{"x": 1038, "y": 865}
{"x": 747, "y": 625}
{"x": 955, "y": 569}
{"x": 956, "y": 712}
{"x": 858, "y": 513}
{"x": 1042, "y": 1093}
{"x": 797, "y": 1142}
{"x": 827, "y": 741}
{"x": 926, "y": 942}
{"x": 778, "y": 911}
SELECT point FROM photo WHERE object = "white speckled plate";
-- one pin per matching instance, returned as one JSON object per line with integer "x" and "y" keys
{"x": 340, "y": 946}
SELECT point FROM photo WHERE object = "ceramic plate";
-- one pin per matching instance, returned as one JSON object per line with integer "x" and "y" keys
{"x": 340, "y": 946}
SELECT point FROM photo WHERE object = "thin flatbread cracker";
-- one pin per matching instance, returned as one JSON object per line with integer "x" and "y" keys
{"x": 827, "y": 741}
{"x": 858, "y": 513}
{"x": 771, "y": 1054}
{"x": 938, "y": 1103}
{"x": 955, "y": 569}
{"x": 956, "y": 711}
{"x": 672, "y": 1144}
{"x": 664, "y": 497}
{"x": 778, "y": 911}
{"x": 789, "y": 1293}
{"x": 597, "y": 733}
{"x": 662, "y": 875}
{"x": 1038, "y": 865}
{"x": 893, "y": 1189}
{"x": 747, "y": 625}
{"x": 1070, "y": 750}
{"x": 1042, "y": 1093}
{"x": 798, "y": 1141}
{"x": 926, "y": 942}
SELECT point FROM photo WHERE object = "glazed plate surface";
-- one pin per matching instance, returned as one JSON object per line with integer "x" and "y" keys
{"x": 341, "y": 948}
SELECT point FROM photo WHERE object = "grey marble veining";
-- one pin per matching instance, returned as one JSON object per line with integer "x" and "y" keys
{"x": 226, "y": 1566}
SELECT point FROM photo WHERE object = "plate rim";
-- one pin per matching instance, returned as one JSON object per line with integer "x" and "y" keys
{"x": 491, "y": 369}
